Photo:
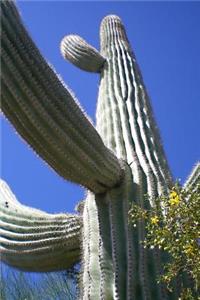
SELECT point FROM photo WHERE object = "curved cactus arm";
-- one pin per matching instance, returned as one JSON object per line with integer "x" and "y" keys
{"x": 81, "y": 54}
{"x": 46, "y": 114}
{"x": 193, "y": 179}
{"x": 33, "y": 240}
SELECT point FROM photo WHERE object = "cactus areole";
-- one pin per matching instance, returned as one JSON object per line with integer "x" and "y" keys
{"x": 118, "y": 162}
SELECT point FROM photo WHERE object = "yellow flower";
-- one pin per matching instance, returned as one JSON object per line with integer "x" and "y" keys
{"x": 173, "y": 194}
{"x": 154, "y": 220}
{"x": 189, "y": 249}
{"x": 174, "y": 198}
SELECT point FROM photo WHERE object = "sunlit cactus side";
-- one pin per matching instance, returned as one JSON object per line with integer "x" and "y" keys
{"x": 34, "y": 240}
{"x": 81, "y": 54}
{"x": 126, "y": 125}
{"x": 193, "y": 180}
{"x": 119, "y": 162}
{"x": 46, "y": 114}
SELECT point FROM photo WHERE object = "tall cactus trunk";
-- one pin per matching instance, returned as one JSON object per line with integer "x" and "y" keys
{"x": 120, "y": 268}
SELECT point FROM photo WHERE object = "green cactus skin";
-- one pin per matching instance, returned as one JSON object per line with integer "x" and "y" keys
{"x": 106, "y": 244}
{"x": 80, "y": 53}
{"x": 131, "y": 133}
{"x": 193, "y": 179}
{"x": 124, "y": 106}
{"x": 118, "y": 163}
{"x": 47, "y": 115}
{"x": 127, "y": 136}
{"x": 33, "y": 240}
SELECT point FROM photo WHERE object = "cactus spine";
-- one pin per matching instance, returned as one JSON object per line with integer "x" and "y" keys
{"x": 118, "y": 162}
{"x": 33, "y": 240}
{"x": 46, "y": 113}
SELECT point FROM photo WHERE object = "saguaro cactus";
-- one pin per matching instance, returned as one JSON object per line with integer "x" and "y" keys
{"x": 118, "y": 162}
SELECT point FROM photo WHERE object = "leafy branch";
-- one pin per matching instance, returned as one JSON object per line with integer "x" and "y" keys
{"x": 173, "y": 225}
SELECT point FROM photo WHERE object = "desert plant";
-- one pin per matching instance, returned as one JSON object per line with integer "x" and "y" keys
{"x": 177, "y": 232}
{"x": 118, "y": 162}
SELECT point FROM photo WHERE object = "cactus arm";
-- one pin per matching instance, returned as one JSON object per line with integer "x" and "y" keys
{"x": 33, "y": 240}
{"x": 193, "y": 179}
{"x": 45, "y": 113}
{"x": 81, "y": 54}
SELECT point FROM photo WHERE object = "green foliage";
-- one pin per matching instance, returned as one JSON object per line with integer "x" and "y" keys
{"x": 173, "y": 226}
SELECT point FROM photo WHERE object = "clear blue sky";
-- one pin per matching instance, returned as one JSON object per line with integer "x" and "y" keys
{"x": 165, "y": 38}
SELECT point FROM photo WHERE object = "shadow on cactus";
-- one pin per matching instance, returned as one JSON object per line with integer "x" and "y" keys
{"x": 118, "y": 162}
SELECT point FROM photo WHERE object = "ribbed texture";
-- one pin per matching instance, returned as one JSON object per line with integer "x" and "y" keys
{"x": 124, "y": 106}
{"x": 90, "y": 259}
{"x": 81, "y": 54}
{"x": 105, "y": 248}
{"x": 33, "y": 240}
{"x": 45, "y": 113}
{"x": 120, "y": 240}
{"x": 108, "y": 252}
{"x": 115, "y": 264}
{"x": 193, "y": 179}
{"x": 126, "y": 124}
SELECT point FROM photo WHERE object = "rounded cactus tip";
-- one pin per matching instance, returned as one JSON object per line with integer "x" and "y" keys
{"x": 111, "y": 20}
{"x": 111, "y": 27}
{"x": 65, "y": 42}
{"x": 81, "y": 54}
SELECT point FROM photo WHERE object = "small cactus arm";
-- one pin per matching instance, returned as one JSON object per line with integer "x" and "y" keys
{"x": 33, "y": 240}
{"x": 81, "y": 54}
{"x": 118, "y": 163}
